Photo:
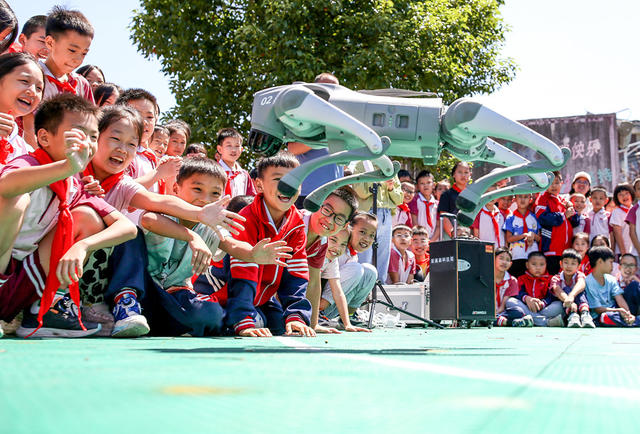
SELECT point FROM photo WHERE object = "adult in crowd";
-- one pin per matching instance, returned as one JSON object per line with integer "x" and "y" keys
{"x": 304, "y": 153}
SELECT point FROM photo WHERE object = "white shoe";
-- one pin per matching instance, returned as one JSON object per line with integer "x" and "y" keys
{"x": 587, "y": 321}
{"x": 574, "y": 321}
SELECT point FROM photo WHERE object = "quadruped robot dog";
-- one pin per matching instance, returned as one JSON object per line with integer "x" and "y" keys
{"x": 373, "y": 125}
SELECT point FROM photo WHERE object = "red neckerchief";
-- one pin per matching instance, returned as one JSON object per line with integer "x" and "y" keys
{"x": 352, "y": 251}
{"x": 585, "y": 266}
{"x": 455, "y": 187}
{"x": 151, "y": 156}
{"x": 496, "y": 227}
{"x": 517, "y": 213}
{"x": 427, "y": 205}
{"x": 404, "y": 207}
{"x": 5, "y": 148}
{"x": 62, "y": 241}
{"x": 505, "y": 280}
{"x": 623, "y": 208}
{"x": 424, "y": 262}
{"x": 67, "y": 86}
{"x": 230, "y": 176}
{"x": 109, "y": 182}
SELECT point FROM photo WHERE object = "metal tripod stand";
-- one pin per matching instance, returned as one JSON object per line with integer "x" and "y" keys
{"x": 378, "y": 285}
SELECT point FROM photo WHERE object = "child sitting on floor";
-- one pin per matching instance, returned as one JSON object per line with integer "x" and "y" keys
{"x": 568, "y": 286}
{"x": 506, "y": 287}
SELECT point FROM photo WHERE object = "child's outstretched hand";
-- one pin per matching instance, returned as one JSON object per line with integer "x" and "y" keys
{"x": 78, "y": 149}
{"x": 69, "y": 268}
{"x": 169, "y": 167}
{"x": 352, "y": 328}
{"x": 7, "y": 123}
{"x": 297, "y": 328}
{"x": 201, "y": 257}
{"x": 255, "y": 333}
{"x": 92, "y": 186}
{"x": 265, "y": 253}
{"x": 215, "y": 214}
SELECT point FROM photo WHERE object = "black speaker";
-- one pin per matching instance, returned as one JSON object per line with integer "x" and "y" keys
{"x": 461, "y": 280}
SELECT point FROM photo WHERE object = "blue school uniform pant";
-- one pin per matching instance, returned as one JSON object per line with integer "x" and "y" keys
{"x": 357, "y": 281}
{"x": 614, "y": 319}
{"x": 580, "y": 299}
{"x": 127, "y": 268}
{"x": 515, "y": 309}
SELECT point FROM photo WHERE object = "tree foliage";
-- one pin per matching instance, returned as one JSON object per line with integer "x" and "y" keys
{"x": 217, "y": 53}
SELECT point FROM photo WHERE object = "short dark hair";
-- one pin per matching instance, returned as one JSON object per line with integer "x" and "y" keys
{"x": 536, "y": 254}
{"x": 622, "y": 187}
{"x": 600, "y": 189}
{"x": 225, "y": 133}
{"x": 501, "y": 250}
{"x": 281, "y": 159}
{"x": 104, "y": 91}
{"x": 424, "y": 174}
{"x": 403, "y": 173}
{"x": 605, "y": 238}
{"x": 176, "y": 125}
{"x": 363, "y": 216}
{"x": 239, "y": 202}
{"x": 10, "y": 61}
{"x": 160, "y": 129}
{"x": 136, "y": 94}
{"x": 600, "y": 252}
{"x": 62, "y": 20}
{"x": 401, "y": 228}
{"x": 196, "y": 148}
{"x": 33, "y": 24}
{"x": 8, "y": 20}
{"x": 52, "y": 111}
{"x": 86, "y": 70}
{"x": 629, "y": 255}
{"x": 571, "y": 254}
{"x": 114, "y": 113}
{"x": 420, "y": 230}
{"x": 349, "y": 196}
{"x": 458, "y": 164}
{"x": 198, "y": 164}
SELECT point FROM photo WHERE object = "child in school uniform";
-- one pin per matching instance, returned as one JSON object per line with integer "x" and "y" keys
{"x": 568, "y": 287}
{"x": 556, "y": 229}
{"x": 159, "y": 141}
{"x": 252, "y": 309}
{"x": 611, "y": 306}
{"x": 420, "y": 249}
{"x": 506, "y": 288}
{"x": 424, "y": 205}
{"x": 598, "y": 215}
{"x": 21, "y": 89}
{"x": 579, "y": 202}
{"x": 229, "y": 147}
{"x": 403, "y": 213}
{"x": 179, "y": 135}
{"x": 522, "y": 233}
{"x": 488, "y": 225}
{"x": 68, "y": 38}
{"x": 32, "y": 38}
{"x": 402, "y": 263}
{"x": 334, "y": 214}
{"x": 336, "y": 300}
{"x": 623, "y": 196}
{"x": 50, "y": 225}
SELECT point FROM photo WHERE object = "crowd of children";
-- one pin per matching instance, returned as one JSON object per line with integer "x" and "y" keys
{"x": 116, "y": 225}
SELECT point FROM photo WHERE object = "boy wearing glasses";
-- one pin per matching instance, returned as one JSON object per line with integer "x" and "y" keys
{"x": 331, "y": 218}
{"x": 402, "y": 263}
{"x": 403, "y": 213}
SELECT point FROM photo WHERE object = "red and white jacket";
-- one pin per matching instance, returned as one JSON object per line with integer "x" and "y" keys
{"x": 254, "y": 285}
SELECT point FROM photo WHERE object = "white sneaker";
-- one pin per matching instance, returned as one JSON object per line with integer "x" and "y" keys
{"x": 574, "y": 321}
{"x": 587, "y": 321}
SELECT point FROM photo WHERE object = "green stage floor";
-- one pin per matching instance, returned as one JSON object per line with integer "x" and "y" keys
{"x": 392, "y": 381}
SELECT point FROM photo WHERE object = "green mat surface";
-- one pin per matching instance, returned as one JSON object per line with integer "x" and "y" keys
{"x": 389, "y": 381}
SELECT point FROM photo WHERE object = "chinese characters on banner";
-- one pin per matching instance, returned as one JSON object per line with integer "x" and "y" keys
{"x": 593, "y": 141}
